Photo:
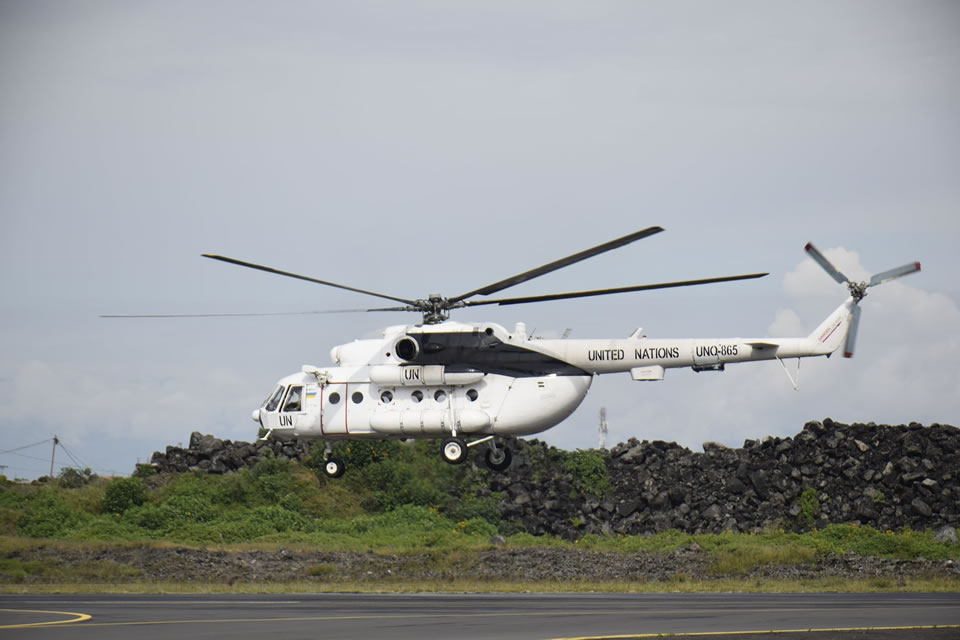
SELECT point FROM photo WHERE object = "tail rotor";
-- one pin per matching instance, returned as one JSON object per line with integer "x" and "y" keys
{"x": 858, "y": 290}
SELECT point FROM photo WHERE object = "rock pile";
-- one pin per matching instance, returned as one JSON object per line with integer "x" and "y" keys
{"x": 214, "y": 455}
{"x": 888, "y": 477}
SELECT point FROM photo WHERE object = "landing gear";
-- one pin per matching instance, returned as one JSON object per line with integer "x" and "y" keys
{"x": 333, "y": 468}
{"x": 454, "y": 450}
{"x": 498, "y": 457}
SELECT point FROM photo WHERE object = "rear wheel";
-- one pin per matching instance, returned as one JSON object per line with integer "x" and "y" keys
{"x": 498, "y": 458}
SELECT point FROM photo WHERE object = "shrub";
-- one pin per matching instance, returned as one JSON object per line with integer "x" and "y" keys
{"x": 476, "y": 527}
{"x": 589, "y": 470}
{"x": 272, "y": 480}
{"x": 106, "y": 527}
{"x": 393, "y": 483}
{"x": 152, "y": 517}
{"x": 470, "y": 506}
{"x": 71, "y": 478}
{"x": 123, "y": 493}
{"x": 8, "y": 521}
{"x": 48, "y": 516}
{"x": 191, "y": 508}
{"x": 809, "y": 507}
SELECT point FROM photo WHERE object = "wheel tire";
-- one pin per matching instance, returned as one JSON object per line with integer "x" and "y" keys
{"x": 333, "y": 468}
{"x": 500, "y": 462}
{"x": 454, "y": 450}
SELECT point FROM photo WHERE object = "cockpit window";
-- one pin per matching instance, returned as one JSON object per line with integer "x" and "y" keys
{"x": 292, "y": 403}
{"x": 274, "y": 401}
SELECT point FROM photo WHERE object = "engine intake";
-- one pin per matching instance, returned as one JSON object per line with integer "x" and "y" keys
{"x": 407, "y": 348}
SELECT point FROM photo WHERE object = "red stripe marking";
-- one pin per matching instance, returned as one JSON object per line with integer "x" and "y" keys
{"x": 835, "y": 327}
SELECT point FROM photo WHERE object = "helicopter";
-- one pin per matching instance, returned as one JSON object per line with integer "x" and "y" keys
{"x": 478, "y": 383}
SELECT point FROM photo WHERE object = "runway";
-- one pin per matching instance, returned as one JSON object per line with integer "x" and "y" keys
{"x": 474, "y": 616}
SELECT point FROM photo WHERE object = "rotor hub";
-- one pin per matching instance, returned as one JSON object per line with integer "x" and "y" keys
{"x": 858, "y": 290}
{"x": 435, "y": 309}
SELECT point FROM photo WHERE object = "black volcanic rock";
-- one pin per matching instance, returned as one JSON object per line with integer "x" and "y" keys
{"x": 888, "y": 477}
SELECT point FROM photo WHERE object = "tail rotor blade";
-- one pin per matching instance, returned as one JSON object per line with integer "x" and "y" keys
{"x": 886, "y": 276}
{"x": 827, "y": 266}
{"x": 852, "y": 332}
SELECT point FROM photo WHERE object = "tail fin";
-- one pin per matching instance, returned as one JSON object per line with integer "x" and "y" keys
{"x": 832, "y": 332}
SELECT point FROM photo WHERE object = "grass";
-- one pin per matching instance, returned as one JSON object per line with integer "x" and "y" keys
{"x": 417, "y": 529}
{"x": 742, "y": 560}
{"x": 729, "y": 585}
{"x": 729, "y": 559}
{"x": 50, "y": 570}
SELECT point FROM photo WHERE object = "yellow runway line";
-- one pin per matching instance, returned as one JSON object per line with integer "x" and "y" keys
{"x": 629, "y": 636}
{"x": 78, "y": 617}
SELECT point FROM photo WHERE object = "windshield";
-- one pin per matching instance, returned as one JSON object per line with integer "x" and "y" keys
{"x": 273, "y": 401}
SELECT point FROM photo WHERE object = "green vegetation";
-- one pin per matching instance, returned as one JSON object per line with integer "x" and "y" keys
{"x": 809, "y": 507}
{"x": 589, "y": 471}
{"x": 395, "y": 498}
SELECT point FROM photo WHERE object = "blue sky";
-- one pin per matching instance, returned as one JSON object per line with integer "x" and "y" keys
{"x": 419, "y": 147}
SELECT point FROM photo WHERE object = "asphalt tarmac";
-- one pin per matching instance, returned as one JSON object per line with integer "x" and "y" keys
{"x": 473, "y": 616}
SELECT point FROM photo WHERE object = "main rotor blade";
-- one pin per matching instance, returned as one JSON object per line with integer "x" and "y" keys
{"x": 886, "y": 276}
{"x": 852, "y": 332}
{"x": 307, "y": 278}
{"x": 604, "y": 292}
{"x": 827, "y": 266}
{"x": 238, "y": 315}
{"x": 558, "y": 264}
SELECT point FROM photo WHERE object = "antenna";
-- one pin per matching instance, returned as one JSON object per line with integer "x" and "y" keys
{"x": 603, "y": 427}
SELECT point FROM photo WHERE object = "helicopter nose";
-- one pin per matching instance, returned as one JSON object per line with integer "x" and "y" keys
{"x": 255, "y": 415}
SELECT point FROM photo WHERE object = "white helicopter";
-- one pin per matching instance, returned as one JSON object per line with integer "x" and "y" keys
{"x": 479, "y": 381}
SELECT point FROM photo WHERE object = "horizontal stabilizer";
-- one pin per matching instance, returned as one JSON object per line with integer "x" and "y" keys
{"x": 760, "y": 344}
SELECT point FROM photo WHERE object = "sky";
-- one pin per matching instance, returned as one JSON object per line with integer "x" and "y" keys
{"x": 419, "y": 147}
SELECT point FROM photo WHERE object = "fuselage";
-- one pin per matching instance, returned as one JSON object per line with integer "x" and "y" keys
{"x": 455, "y": 378}
{"x": 462, "y": 379}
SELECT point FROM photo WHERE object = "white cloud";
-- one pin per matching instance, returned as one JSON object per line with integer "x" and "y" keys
{"x": 787, "y": 324}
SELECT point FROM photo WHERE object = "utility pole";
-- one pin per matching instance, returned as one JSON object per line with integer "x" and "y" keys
{"x": 56, "y": 441}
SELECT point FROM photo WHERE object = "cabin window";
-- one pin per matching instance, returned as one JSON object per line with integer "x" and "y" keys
{"x": 333, "y": 398}
{"x": 417, "y": 395}
{"x": 273, "y": 401}
{"x": 440, "y": 395}
{"x": 294, "y": 397}
{"x": 386, "y": 397}
{"x": 472, "y": 395}
{"x": 357, "y": 397}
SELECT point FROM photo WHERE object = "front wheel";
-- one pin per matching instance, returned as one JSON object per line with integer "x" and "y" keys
{"x": 333, "y": 468}
{"x": 454, "y": 450}
{"x": 499, "y": 458}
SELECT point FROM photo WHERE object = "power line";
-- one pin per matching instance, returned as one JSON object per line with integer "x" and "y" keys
{"x": 27, "y": 446}
{"x": 77, "y": 461}
{"x": 70, "y": 455}
{"x": 23, "y": 455}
